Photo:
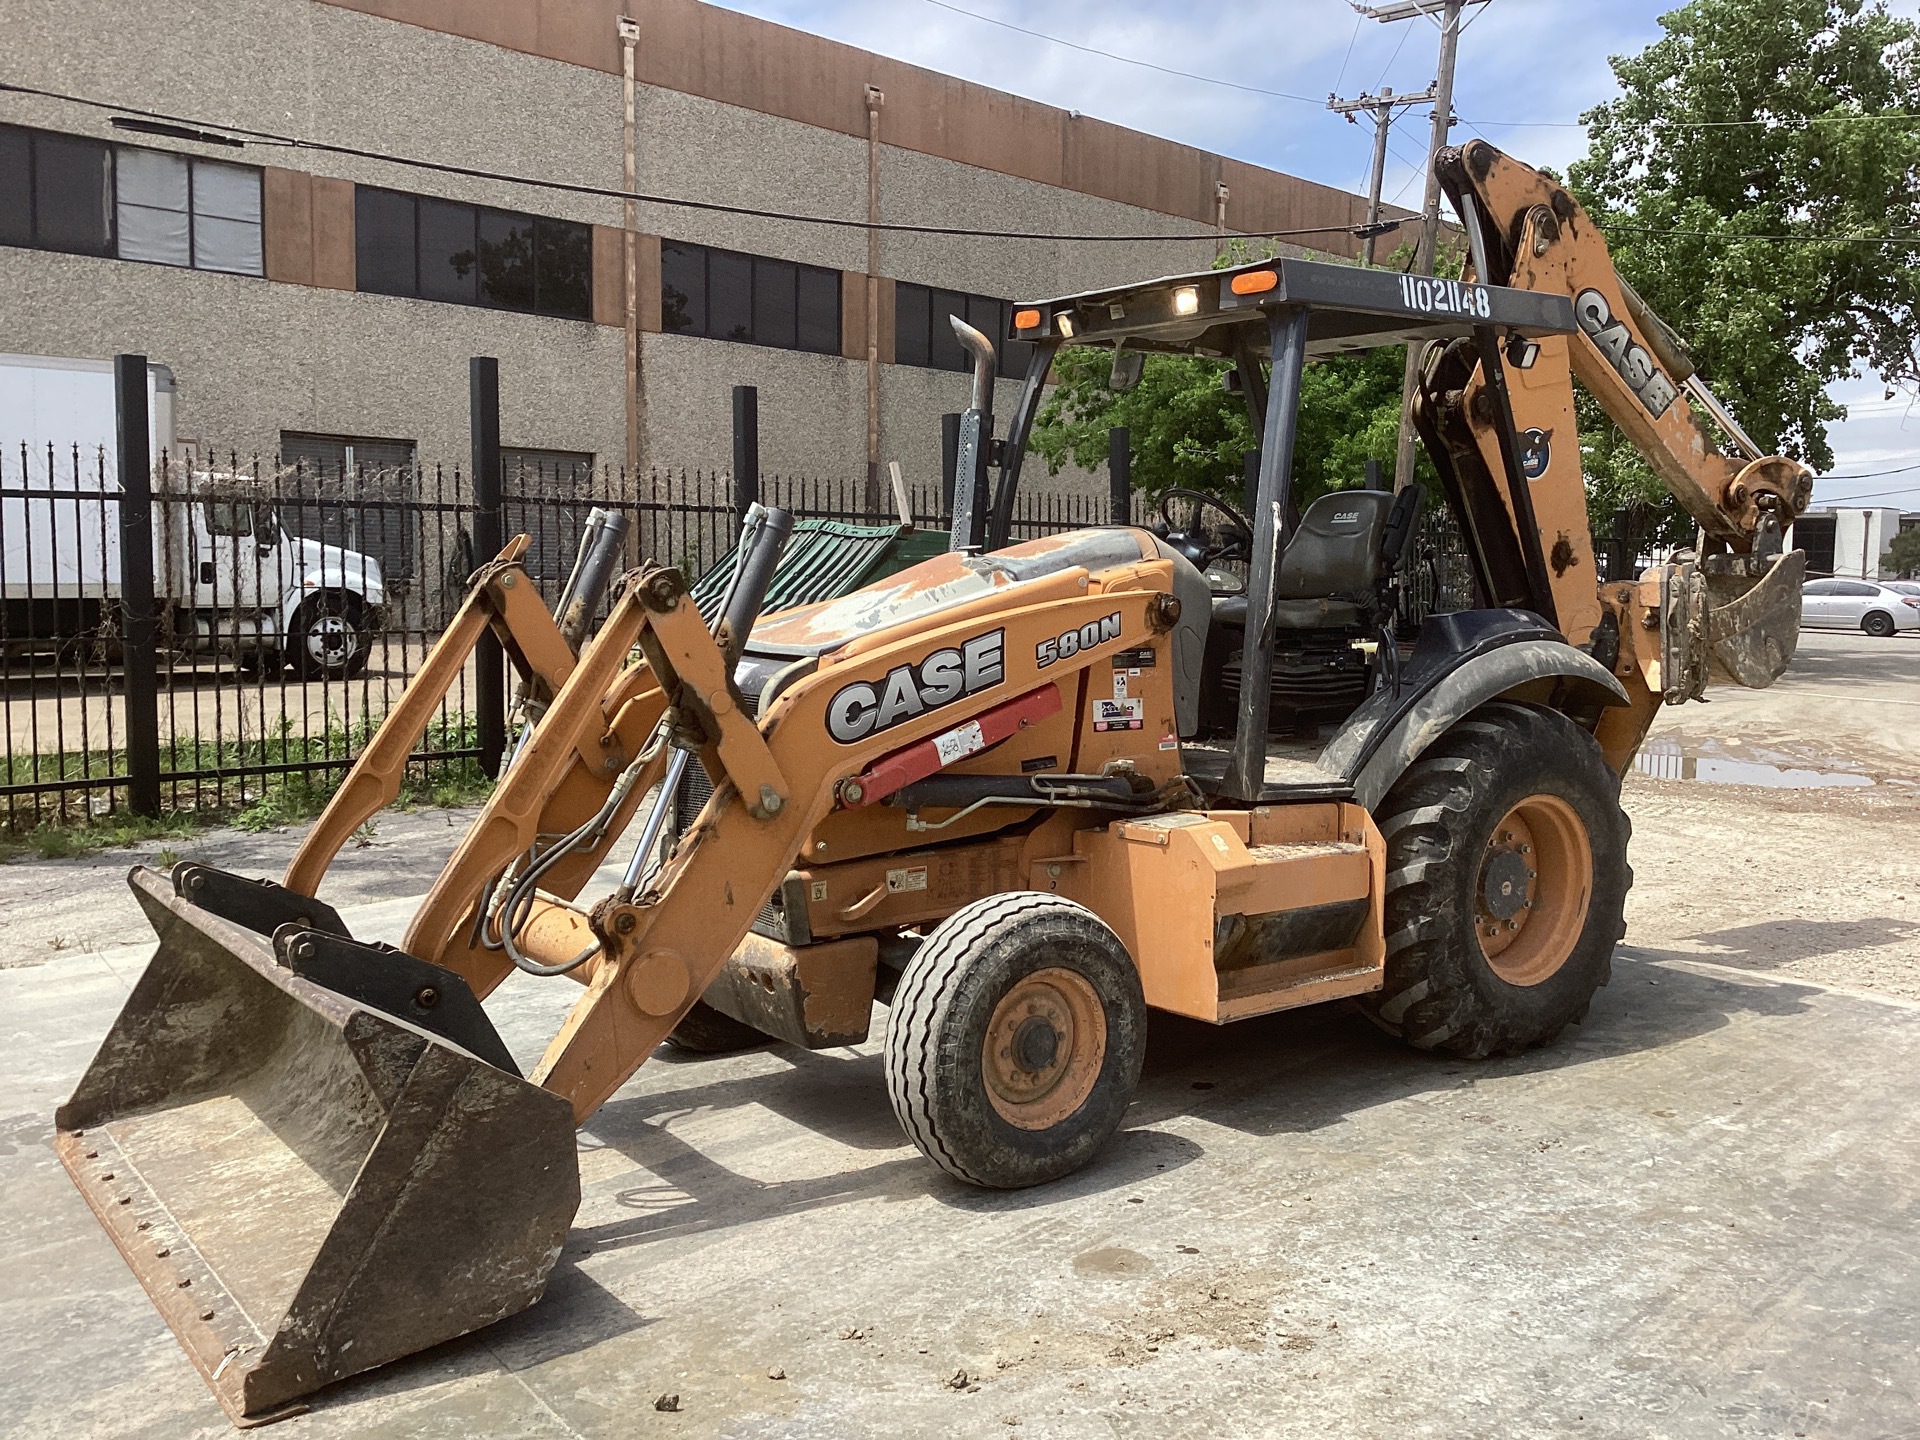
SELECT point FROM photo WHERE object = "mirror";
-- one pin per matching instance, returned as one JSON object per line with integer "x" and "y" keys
{"x": 1127, "y": 365}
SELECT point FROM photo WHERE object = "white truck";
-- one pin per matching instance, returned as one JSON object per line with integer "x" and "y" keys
{"x": 227, "y": 577}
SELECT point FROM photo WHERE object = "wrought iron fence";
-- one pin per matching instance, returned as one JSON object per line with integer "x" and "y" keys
{"x": 294, "y": 602}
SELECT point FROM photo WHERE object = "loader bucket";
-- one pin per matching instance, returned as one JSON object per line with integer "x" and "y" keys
{"x": 307, "y": 1186}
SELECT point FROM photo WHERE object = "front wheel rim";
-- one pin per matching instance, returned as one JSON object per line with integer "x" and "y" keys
{"x": 330, "y": 641}
{"x": 1044, "y": 1049}
{"x": 1533, "y": 890}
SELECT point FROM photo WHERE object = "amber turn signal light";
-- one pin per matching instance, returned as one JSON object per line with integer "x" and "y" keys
{"x": 1026, "y": 319}
{"x": 1254, "y": 282}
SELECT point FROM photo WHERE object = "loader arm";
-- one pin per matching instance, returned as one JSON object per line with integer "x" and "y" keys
{"x": 1734, "y": 608}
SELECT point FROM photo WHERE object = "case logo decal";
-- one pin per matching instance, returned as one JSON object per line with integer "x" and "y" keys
{"x": 868, "y": 707}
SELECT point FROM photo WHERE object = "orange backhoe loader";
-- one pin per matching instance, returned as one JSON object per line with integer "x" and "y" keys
{"x": 1018, "y": 793}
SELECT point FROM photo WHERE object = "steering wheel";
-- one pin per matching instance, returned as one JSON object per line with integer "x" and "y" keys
{"x": 1199, "y": 544}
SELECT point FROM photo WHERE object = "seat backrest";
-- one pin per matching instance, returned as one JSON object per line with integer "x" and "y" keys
{"x": 1336, "y": 550}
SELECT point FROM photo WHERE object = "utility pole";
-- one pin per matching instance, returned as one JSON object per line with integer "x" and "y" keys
{"x": 1445, "y": 13}
{"x": 1381, "y": 107}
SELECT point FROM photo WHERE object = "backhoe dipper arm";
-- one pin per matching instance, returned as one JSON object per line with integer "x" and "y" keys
{"x": 1537, "y": 237}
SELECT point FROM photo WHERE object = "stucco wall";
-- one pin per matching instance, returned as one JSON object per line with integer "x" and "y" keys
{"x": 254, "y": 358}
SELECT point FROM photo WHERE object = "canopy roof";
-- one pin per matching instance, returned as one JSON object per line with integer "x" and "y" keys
{"x": 1349, "y": 308}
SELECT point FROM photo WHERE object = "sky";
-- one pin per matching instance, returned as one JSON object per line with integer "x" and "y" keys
{"x": 1527, "y": 70}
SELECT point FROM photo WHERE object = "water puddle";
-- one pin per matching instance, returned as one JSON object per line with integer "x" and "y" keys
{"x": 1713, "y": 763}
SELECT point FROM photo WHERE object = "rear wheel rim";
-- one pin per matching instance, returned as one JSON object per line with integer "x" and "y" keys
{"x": 1533, "y": 890}
{"x": 1044, "y": 1049}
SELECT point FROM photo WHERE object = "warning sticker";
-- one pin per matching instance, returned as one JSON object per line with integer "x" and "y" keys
{"x": 1119, "y": 684}
{"x": 1119, "y": 714}
{"x": 1169, "y": 742}
{"x": 913, "y": 877}
{"x": 959, "y": 743}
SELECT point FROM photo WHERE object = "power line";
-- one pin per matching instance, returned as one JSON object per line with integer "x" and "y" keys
{"x": 470, "y": 172}
{"x": 1123, "y": 59}
{"x": 267, "y": 137}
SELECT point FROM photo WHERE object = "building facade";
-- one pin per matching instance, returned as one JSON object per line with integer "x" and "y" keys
{"x": 321, "y": 300}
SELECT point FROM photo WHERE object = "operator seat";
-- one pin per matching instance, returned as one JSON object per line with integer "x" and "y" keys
{"x": 1331, "y": 570}
{"x": 1329, "y": 592}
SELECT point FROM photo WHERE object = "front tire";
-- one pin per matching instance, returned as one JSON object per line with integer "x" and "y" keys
{"x": 1015, "y": 1040}
{"x": 1879, "y": 624}
{"x": 1506, "y": 884}
{"x": 331, "y": 639}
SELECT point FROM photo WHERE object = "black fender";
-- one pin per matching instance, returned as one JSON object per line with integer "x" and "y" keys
{"x": 1461, "y": 663}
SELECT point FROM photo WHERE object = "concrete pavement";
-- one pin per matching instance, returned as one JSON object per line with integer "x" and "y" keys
{"x": 1695, "y": 1216}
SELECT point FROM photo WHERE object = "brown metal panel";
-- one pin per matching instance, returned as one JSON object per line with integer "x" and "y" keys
{"x": 609, "y": 277}
{"x": 286, "y": 206}
{"x": 1120, "y": 164}
{"x": 581, "y": 32}
{"x": 334, "y": 266}
{"x": 884, "y": 295}
{"x": 646, "y": 280}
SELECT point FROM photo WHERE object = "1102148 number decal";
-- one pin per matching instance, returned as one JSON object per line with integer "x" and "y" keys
{"x": 1070, "y": 643}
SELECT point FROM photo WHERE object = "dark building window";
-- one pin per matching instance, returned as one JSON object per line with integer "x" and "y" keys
{"x": 752, "y": 298}
{"x": 56, "y": 191}
{"x": 66, "y": 192}
{"x": 428, "y": 249}
{"x": 923, "y": 336}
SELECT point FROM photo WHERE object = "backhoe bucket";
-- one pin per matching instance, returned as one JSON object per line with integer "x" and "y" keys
{"x": 307, "y": 1186}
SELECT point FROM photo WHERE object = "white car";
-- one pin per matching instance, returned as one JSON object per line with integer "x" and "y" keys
{"x": 1879, "y": 609}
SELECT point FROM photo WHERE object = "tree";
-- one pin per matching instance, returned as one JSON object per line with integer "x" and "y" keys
{"x": 1188, "y": 430}
{"x": 1766, "y": 118}
{"x": 1902, "y": 559}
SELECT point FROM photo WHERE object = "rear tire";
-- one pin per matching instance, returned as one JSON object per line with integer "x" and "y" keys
{"x": 1878, "y": 624}
{"x": 1015, "y": 1040}
{"x": 704, "y": 1030}
{"x": 1506, "y": 884}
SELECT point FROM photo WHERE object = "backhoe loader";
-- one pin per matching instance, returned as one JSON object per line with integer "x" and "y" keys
{"x": 1020, "y": 794}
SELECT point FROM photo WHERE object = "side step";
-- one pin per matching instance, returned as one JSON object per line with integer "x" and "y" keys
{"x": 1231, "y": 913}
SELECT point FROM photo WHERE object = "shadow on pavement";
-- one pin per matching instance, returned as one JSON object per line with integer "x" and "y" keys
{"x": 1782, "y": 942}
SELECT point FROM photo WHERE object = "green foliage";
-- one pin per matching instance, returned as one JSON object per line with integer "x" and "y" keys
{"x": 1771, "y": 323}
{"x": 1902, "y": 559}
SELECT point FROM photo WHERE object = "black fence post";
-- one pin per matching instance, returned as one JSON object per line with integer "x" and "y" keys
{"x": 1119, "y": 475}
{"x": 949, "y": 460}
{"x": 489, "y": 678}
{"x": 1373, "y": 474}
{"x": 746, "y": 452}
{"x": 138, "y": 664}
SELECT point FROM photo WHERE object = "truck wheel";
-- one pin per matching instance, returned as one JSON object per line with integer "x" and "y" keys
{"x": 1507, "y": 879}
{"x": 1015, "y": 1040}
{"x": 1878, "y": 624}
{"x": 704, "y": 1030}
{"x": 330, "y": 639}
